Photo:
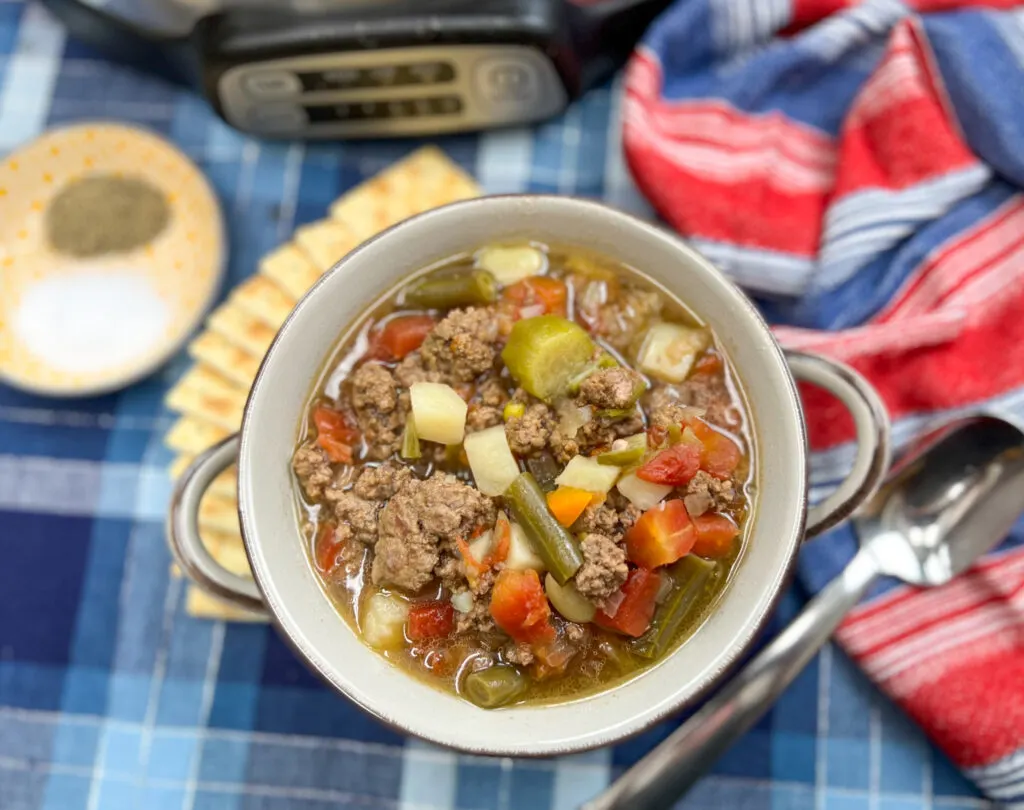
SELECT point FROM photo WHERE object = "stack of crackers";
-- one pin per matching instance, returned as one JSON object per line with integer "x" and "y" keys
{"x": 210, "y": 396}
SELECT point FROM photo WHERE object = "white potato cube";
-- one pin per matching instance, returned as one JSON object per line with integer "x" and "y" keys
{"x": 585, "y": 473}
{"x": 383, "y": 621}
{"x": 670, "y": 350}
{"x": 438, "y": 412}
{"x": 511, "y": 263}
{"x": 493, "y": 465}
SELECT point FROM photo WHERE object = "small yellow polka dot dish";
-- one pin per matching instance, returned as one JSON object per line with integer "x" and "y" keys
{"x": 112, "y": 248}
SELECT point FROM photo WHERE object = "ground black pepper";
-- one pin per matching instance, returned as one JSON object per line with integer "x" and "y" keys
{"x": 105, "y": 213}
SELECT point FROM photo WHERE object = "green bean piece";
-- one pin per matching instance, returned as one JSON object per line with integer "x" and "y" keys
{"x": 410, "y": 440}
{"x": 691, "y": 574}
{"x": 476, "y": 287}
{"x": 615, "y": 413}
{"x": 555, "y": 546}
{"x": 636, "y": 446}
{"x": 493, "y": 687}
{"x": 545, "y": 470}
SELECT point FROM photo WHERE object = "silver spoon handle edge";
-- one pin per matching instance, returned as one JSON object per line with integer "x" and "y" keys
{"x": 659, "y": 779}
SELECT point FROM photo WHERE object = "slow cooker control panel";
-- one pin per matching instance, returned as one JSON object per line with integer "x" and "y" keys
{"x": 399, "y": 91}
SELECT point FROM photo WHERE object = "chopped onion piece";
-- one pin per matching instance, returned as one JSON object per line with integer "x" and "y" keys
{"x": 642, "y": 494}
{"x": 462, "y": 601}
{"x": 481, "y": 546}
{"x": 613, "y": 603}
{"x": 571, "y": 417}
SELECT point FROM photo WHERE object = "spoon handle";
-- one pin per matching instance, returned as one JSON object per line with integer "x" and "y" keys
{"x": 659, "y": 779}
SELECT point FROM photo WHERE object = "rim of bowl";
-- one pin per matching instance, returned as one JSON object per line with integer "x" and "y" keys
{"x": 737, "y": 650}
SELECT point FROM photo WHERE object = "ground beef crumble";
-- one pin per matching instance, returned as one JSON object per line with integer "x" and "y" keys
{"x": 518, "y": 653}
{"x": 487, "y": 406}
{"x": 312, "y": 469}
{"x": 462, "y": 346}
{"x": 357, "y": 513}
{"x": 411, "y": 371}
{"x": 612, "y": 388}
{"x": 381, "y": 482}
{"x": 706, "y": 493}
{"x": 611, "y": 518}
{"x": 601, "y": 431}
{"x": 478, "y": 619}
{"x": 530, "y": 433}
{"x": 604, "y": 568}
{"x": 379, "y": 409}
{"x": 414, "y": 522}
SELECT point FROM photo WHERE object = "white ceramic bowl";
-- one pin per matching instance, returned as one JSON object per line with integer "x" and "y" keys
{"x": 289, "y": 588}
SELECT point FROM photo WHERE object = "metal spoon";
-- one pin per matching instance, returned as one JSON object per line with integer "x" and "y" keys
{"x": 953, "y": 497}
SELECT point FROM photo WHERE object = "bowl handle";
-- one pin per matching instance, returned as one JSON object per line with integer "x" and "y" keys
{"x": 873, "y": 437}
{"x": 183, "y": 530}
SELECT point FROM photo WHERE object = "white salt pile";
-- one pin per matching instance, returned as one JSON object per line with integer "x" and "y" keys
{"x": 86, "y": 322}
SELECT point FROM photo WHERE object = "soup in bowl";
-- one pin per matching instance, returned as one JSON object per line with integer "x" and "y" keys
{"x": 524, "y": 475}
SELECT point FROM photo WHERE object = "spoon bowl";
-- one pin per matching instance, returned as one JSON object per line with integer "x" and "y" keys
{"x": 954, "y": 493}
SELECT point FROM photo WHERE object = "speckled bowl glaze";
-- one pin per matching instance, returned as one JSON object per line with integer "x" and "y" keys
{"x": 183, "y": 264}
{"x": 288, "y": 588}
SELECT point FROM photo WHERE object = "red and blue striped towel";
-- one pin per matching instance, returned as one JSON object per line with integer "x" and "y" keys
{"x": 859, "y": 167}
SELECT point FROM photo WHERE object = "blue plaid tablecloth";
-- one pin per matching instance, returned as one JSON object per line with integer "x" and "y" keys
{"x": 112, "y": 697}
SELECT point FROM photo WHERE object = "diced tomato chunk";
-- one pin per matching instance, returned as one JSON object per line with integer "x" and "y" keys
{"x": 674, "y": 466}
{"x": 335, "y": 424}
{"x": 430, "y": 620}
{"x": 662, "y": 535}
{"x": 400, "y": 336}
{"x": 327, "y": 548}
{"x": 720, "y": 455}
{"x": 550, "y": 293}
{"x": 708, "y": 363}
{"x": 715, "y": 535}
{"x": 337, "y": 452}
{"x": 520, "y": 607}
{"x": 334, "y": 434}
{"x": 637, "y": 608}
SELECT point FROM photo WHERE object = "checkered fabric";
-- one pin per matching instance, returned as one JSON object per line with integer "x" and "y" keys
{"x": 112, "y": 697}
